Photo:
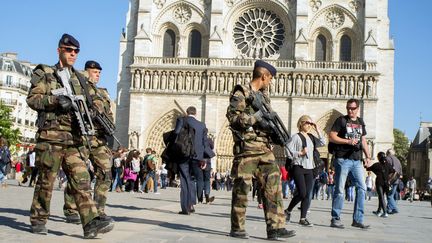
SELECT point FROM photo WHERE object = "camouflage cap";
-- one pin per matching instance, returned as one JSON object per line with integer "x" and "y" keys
{"x": 92, "y": 64}
{"x": 68, "y": 40}
{"x": 268, "y": 66}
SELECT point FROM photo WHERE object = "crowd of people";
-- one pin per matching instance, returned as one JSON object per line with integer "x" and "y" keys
{"x": 186, "y": 160}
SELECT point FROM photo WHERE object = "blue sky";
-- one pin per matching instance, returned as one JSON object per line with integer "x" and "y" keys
{"x": 32, "y": 29}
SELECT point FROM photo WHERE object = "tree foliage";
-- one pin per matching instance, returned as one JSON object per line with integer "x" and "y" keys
{"x": 401, "y": 146}
{"x": 6, "y": 125}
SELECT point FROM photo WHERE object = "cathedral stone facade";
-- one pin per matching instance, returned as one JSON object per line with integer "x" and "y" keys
{"x": 174, "y": 54}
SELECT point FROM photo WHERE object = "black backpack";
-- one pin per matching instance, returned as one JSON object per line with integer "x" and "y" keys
{"x": 183, "y": 144}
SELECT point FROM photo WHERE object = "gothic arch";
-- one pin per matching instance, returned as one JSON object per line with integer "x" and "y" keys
{"x": 164, "y": 124}
{"x": 329, "y": 43}
{"x": 325, "y": 123}
{"x": 197, "y": 16}
{"x": 224, "y": 148}
{"x": 281, "y": 10}
{"x": 356, "y": 44}
{"x": 349, "y": 25}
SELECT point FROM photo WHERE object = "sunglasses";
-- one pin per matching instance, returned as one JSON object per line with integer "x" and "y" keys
{"x": 308, "y": 123}
{"x": 352, "y": 108}
{"x": 70, "y": 49}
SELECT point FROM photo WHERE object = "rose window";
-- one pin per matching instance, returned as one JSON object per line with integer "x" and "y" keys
{"x": 259, "y": 33}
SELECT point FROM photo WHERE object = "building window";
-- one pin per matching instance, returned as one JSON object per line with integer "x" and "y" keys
{"x": 8, "y": 80}
{"x": 169, "y": 44}
{"x": 195, "y": 44}
{"x": 259, "y": 33}
{"x": 345, "y": 49}
{"x": 26, "y": 122}
{"x": 321, "y": 49}
{"x": 19, "y": 121}
{"x": 7, "y": 66}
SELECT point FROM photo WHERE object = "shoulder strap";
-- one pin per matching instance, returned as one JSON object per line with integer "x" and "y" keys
{"x": 303, "y": 139}
{"x": 83, "y": 83}
{"x": 312, "y": 137}
{"x": 241, "y": 88}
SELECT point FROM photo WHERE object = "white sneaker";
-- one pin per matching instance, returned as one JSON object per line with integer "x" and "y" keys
{"x": 157, "y": 193}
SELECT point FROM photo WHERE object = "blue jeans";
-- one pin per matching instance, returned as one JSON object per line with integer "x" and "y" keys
{"x": 2, "y": 172}
{"x": 391, "y": 202}
{"x": 153, "y": 176}
{"x": 163, "y": 180}
{"x": 117, "y": 179}
{"x": 342, "y": 168}
{"x": 285, "y": 185}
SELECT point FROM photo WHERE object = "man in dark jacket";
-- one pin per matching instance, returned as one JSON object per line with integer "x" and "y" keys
{"x": 201, "y": 149}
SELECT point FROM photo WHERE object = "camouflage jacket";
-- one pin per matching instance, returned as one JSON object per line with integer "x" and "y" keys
{"x": 55, "y": 126}
{"x": 102, "y": 103}
{"x": 249, "y": 137}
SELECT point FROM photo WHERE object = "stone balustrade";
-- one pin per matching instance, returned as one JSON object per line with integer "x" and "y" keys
{"x": 218, "y": 76}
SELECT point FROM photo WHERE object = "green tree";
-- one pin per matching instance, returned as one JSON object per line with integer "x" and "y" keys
{"x": 401, "y": 146}
{"x": 6, "y": 125}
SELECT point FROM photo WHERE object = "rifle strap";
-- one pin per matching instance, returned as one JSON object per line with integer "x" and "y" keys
{"x": 84, "y": 86}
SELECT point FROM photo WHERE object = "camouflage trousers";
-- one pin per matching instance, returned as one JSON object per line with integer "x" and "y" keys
{"x": 49, "y": 158}
{"x": 101, "y": 160}
{"x": 267, "y": 172}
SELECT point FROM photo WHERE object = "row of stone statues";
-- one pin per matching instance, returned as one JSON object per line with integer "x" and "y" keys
{"x": 282, "y": 84}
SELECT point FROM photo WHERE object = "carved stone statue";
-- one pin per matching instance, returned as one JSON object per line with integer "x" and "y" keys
{"x": 137, "y": 80}
{"x": 196, "y": 81}
{"x": 298, "y": 85}
{"x": 370, "y": 91}
{"x": 281, "y": 81}
{"x": 213, "y": 82}
{"x": 221, "y": 82}
{"x": 155, "y": 81}
{"x": 247, "y": 80}
{"x": 133, "y": 140}
{"x": 272, "y": 86}
{"x": 307, "y": 88}
{"x": 163, "y": 81}
{"x": 239, "y": 78}
{"x": 289, "y": 84}
{"x": 342, "y": 86}
{"x": 230, "y": 83}
{"x": 351, "y": 86}
{"x": 333, "y": 86}
{"x": 180, "y": 82}
{"x": 360, "y": 87}
{"x": 188, "y": 82}
{"x": 325, "y": 85}
{"x": 171, "y": 82}
{"x": 146, "y": 81}
{"x": 316, "y": 86}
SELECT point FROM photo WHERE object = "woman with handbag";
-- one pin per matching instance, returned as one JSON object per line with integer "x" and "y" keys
{"x": 301, "y": 151}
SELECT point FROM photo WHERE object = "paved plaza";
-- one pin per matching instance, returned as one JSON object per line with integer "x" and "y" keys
{"x": 154, "y": 218}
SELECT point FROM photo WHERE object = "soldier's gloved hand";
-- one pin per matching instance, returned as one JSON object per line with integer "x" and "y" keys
{"x": 65, "y": 103}
{"x": 258, "y": 116}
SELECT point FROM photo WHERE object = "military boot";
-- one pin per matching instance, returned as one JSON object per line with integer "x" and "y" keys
{"x": 73, "y": 219}
{"x": 105, "y": 217}
{"x": 239, "y": 234}
{"x": 39, "y": 229}
{"x": 275, "y": 234}
{"x": 97, "y": 225}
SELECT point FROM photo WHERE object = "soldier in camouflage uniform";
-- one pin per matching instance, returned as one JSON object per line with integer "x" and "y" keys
{"x": 100, "y": 154}
{"x": 253, "y": 156}
{"x": 56, "y": 143}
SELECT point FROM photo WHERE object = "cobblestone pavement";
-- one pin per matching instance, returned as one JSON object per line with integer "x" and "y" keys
{"x": 154, "y": 218}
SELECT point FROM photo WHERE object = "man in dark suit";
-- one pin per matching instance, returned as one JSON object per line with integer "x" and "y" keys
{"x": 202, "y": 150}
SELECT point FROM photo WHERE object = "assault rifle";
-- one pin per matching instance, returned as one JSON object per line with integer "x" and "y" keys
{"x": 79, "y": 106}
{"x": 108, "y": 127}
{"x": 279, "y": 133}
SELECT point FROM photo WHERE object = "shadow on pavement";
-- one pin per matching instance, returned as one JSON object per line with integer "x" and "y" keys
{"x": 168, "y": 225}
{"x": 123, "y": 207}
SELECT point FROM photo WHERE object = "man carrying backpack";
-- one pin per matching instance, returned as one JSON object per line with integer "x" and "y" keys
{"x": 200, "y": 149}
{"x": 348, "y": 143}
{"x": 4, "y": 161}
{"x": 148, "y": 167}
